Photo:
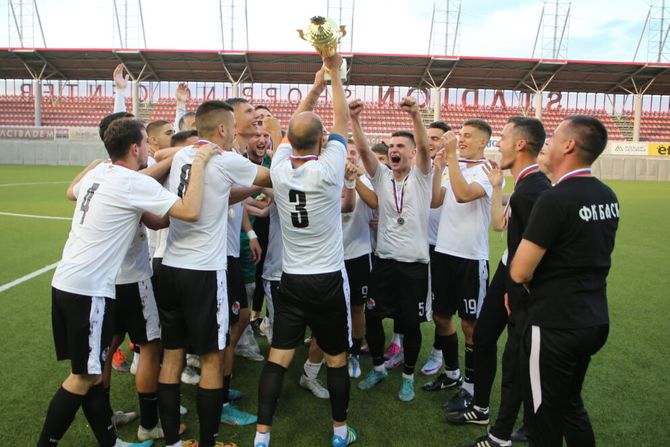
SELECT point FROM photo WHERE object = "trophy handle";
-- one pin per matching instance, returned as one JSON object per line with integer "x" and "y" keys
{"x": 343, "y": 31}
{"x": 301, "y": 33}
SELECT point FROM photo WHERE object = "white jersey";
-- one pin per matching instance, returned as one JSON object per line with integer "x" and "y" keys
{"x": 136, "y": 265}
{"x": 272, "y": 267}
{"x": 161, "y": 242}
{"x": 110, "y": 203}
{"x": 464, "y": 227}
{"x": 356, "y": 227}
{"x": 406, "y": 241}
{"x": 234, "y": 229}
{"x": 309, "y": 199}
{"x": 434, "y": 224}
{"x": 202, "y": 245}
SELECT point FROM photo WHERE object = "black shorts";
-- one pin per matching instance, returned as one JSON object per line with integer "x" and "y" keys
{"x": 193, "y": 309}
{"x": 431, "y": 252}
{"x": 400, "y": 291}
{"x": 156, "y": 264}
{"x": 237, "y": 291}
{"x": 358, "y": 271}
{"x": 319, "y": 301}
{"x": 459, "y": 285}
{"x": 136, "y": 312}
{"x": 82, "y": 329}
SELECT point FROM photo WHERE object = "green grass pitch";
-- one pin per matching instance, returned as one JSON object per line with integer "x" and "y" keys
{"x": 626, "y": 390}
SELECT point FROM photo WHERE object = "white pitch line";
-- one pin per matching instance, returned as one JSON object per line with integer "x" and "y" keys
{"x": 33, "y": 216}
{"x": 33, "y": 183}
{"x": 27, "y": 277}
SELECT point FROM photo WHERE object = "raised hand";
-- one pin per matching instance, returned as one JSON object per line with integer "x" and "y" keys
{"x": 271, "y": 124}
{"x": 319, "y": 78}
{"x": 450, "y": 142}
{"x": 183, "y": 93}
{"x": 120, "y": 81}
{"x": 350, "y": 171}
{"x": 333, "y": 63}
{"x": 355, "y": 108}
{"x": 409, "y": 105}
{"x": 206, "y": 151}
{"x": 494, "y": 173}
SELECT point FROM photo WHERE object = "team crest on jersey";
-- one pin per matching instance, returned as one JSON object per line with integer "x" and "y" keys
{"x": 371, "y": 304}
{"x": 235, "y": 308}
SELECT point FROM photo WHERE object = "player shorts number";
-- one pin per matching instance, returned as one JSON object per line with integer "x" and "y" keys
{"x": 299, "y": 218}
{"x": 184, "y": 178}
{"x": 422, "y": 309}
{"x": 470, "y": 306}
{"x": 87, "y": 200}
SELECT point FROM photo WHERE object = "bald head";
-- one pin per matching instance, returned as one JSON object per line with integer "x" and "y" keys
{"x": 305, "y": 130}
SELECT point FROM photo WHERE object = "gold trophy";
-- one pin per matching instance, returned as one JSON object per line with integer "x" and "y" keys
{"x": 323, "y": 33}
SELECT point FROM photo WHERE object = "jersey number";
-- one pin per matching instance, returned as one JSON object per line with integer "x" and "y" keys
{"x": 299, "y": 218}
{"x": 470, "y": 306}
{"x": 184, "y": 178}
{"x": 87, "y": 200}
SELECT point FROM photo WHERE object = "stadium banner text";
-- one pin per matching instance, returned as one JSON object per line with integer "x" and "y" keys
{"x": 659, "y": 149}
{"x": 626, "y": 148}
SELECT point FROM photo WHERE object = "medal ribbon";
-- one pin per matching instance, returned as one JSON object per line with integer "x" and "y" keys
{"x": 575, "y": 173}
{"x": 402, "y": 196}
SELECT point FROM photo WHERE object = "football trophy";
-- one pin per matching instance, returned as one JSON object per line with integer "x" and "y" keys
{"x": 324, "y": 35}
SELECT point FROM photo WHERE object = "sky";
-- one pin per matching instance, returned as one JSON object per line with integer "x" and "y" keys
{"x": 598, "y": 29}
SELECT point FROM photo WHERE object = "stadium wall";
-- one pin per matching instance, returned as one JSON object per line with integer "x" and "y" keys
{"x": 620, "y": 161}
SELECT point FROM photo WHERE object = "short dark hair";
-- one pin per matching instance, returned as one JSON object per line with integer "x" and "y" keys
{"x": 309, "y": 138}
{"x": 120, "y": 135}
{"x": 440, "y": 125}
{"x": 591, "y": 136}
{"x": 531, "y": 130}
{"x": 406, "y": 134}
{"x": 207, "y": 116}
{"x": 182, "y": 136}
{"x": 232, "y": 102}
{"x": 155, "y": 126}
{"x": 109, "y": 119}
{"x": 262, "y": 106}
{"x": 380, "y": 148}
{"x": 480, "y": 124}
{"x": 183, "y": 119}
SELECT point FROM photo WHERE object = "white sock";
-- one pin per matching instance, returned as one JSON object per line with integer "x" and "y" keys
{"x": 469, "y": 387}
{"x": 408, "y": 376}
{"x": 437, "y": 353}
{"x": 136, "y": 360}
{"x": 340, "y": 431}
{"x": 397, "y": 339}
{"x": 453, "y": 374}
{"x": 482, "y": 409}
{"x": 502, "y": 442}
{"x": 262, "y": 438}
{"x": 380, "y": 368}
{"x": 311, "y": 369}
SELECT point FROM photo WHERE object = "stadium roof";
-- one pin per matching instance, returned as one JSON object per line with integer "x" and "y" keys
{"x": 365, "y": 69}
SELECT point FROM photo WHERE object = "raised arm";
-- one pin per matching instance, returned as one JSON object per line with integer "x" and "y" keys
{"x": 340, "y": 112}
{"x": 463, "y": 191}
{"x": 309, "y": 101}
{"x": 188, "y": 207}
{"x": 120, "y": 84}
{"x": 367, "y": 157}
{"x": 368, "y": 196}
{"x": 438, "y": 191}
{"x": 273, "y": 126}
{"x": 410, "y": 106}
{"x": 182, "y": 95}
{"x": 349, "y": 190}
{"x": 495, "y": 176}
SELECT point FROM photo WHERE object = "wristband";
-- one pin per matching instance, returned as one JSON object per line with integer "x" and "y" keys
{"x": 350, "y": 184}
{"x": 252, "y": 235}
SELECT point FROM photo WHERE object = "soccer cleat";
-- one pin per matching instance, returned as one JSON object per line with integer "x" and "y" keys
{"x": 314, "y": 386}
{"x": 249, "y": 353}
{"x": 469, "y": 416}
{"x": 442, "y": 382}
{"x": 120, "y": 443}
{"x": 485, "y": 441}
{"x": 373, "y": 378}
{"x": 120, "y": 418}
{"x": 520, "y": 435}
{"x": 119, "y": 361}
{"x": 406, "y": 393}
{"x": 255, "y": 325}
{"x": 155, "y": 433}
{"x": 459, "y": 402}
{"x": 354, "y": 367}
{"x": 260, "y": 444}
{"x": 231, "y": 415}
{"x": 190, "y": 376}
{"x": 393, "y": 349}
{"x": 395, "y": 361}
{"x": 193, "y": 360}
{"x": 337, "y": 441}
{"x": 432, "y": 365}
{"x": 194, "y": 443}
{"x": 234, "y": 395}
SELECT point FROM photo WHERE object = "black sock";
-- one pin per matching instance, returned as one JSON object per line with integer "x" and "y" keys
{"x": 168, "y": 410}
{"x": 374, "y": 332}
{"x": 356, "y": 346}
{"x": 411, "y": 344}
{"x": 99, "y": 415}
{"x": 469, "y": 375}
{"x": 449, "y": 346}
{"x": 338, "y": 387}
{"x": 208, "y": 404}
{"x": 148, "y": 409}
{"x": 60, "y": 414}
{"x": 226, "y": 389}
{"x": 436, "y": 343}
{"x": 269, "y": 389}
